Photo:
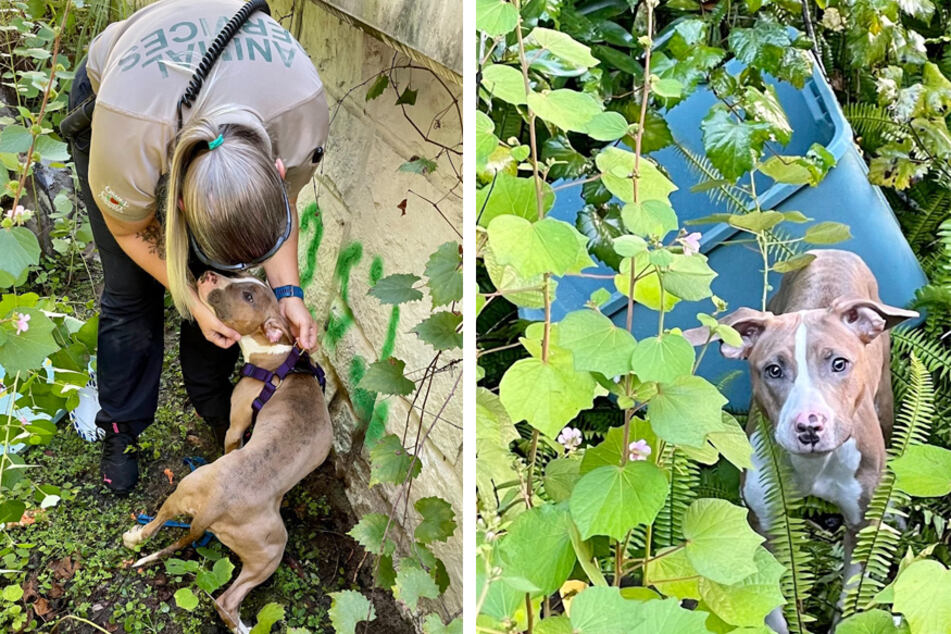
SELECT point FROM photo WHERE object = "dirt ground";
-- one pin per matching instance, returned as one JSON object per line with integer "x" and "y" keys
{"x": 78, "y": 567}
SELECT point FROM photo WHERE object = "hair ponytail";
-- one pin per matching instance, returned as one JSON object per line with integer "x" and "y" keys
{"x": 229, "y": 199}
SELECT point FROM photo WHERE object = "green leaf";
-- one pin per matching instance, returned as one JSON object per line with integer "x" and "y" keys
{"x": 747, "y": 602}
{"x": 19, "y": 249}
{"x": 720, "y": 543}
{"x": 348, "y": 608}
{"x": 673, "y": 575}
{"x": 547, "y": 395}
{"x": 764, "y": 106}
{"x": 921, "y": 594}
{"x": 653, "y": 218}
{"x": 504, "y": 82}
{"x": 219, "y": 575}
{"x": 543, "y": 529}
{"x": 611, "y": 500}
{"x": 386, "y": 377}
{"x": 666, "y": 88}
{"x": 520, "y": 290}
{"x": 663, "y": 358}
{"x": 767, "y": 46}
{"x": 794, "y": 263}
{"x": 439, "y": 330}
{"x": 647, "y": 288}
{"x": 563, "y": 46}
{"x": 369, "y": 533}
{"x": 732, "y": 442}
{"x": 445, "y": 275}
{"x": 560, "y": 477}
{"x": 494, "y": 433}
{"x": 419, "y": 165}
{"x": 689, "y": 277}
{"x": 390, "y": 462}
{"x": 685, "y": 410}
{"x": 511, "y": 195}
{"x": 186, "y": 599}
{"x": 554, "y": 625}
{"x": 731, "y": 145}
{"x": 602, "y": 610}
{"x": 434, "y": 625}
{"x": 545, "y": 246}
{"x": 438, "y": 523}
{"x": 486, "y": 142}
{"x": 827, "y": 233}
{"x": 26, "y": 351}
{"x": 408, "y": 97}
{"x": 13, "y": 593}
{"x": 412, "y": 584}
{"x": 15, "y": 139}
{"x": 606, "y": 126}
{"x": 52, "y": 150}
{"x": 11, "y": 511}
{"x": 923, "y": 471}
{"x": 565, "y": 109}
{"x": 626, "y": 246}
{"x": 378, "y": 87}
{"x": 871, "y": 622}
{"x": 495, "y": 17}
{"x": 617, "y": 170}
{"x": 596, "y": 343}
{"x": 396, "y": 289}
{"x": 267, "y": 617}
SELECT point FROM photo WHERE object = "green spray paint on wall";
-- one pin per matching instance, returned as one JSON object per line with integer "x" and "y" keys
{"x": 311, "y": 215}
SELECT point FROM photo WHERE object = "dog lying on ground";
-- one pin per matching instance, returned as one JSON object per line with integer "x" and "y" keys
{"x": 819, "y": 365}
{"x": 238, "y": 496}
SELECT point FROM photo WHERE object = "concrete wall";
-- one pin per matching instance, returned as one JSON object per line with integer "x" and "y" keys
{"x": 360, "y": 232}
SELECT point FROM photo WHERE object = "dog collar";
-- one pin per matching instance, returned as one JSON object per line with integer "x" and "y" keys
{"x": 298, "y": 361}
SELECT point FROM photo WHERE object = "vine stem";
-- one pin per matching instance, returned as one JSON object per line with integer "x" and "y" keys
{"x": 46, "y": 96}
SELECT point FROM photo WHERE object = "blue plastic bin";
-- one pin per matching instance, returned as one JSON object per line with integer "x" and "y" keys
{"x": 845, "y": 195}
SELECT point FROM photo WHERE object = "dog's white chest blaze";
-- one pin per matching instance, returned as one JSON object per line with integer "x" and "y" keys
{"x": 832, "y": 478}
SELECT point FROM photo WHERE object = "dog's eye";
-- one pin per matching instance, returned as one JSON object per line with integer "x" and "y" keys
{"x": 774, "y": 371}
{"x": 248, "y": 297}
{"x": 839, "y": 364}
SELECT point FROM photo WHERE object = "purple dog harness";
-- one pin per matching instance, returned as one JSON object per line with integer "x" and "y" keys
{"x": 297, "y": 362}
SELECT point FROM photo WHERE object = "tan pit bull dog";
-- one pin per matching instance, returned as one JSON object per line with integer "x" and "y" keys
{"x": 238, "y": 496}
{"x": 819, "y": 365}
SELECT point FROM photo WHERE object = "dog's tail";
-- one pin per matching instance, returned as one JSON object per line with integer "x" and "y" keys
{"x": 194, "y": 533}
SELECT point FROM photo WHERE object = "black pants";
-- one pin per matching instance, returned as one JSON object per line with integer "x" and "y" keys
{"x": 132, "y": 323}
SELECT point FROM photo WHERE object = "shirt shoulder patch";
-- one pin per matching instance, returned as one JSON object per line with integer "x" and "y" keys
{"x": 112, "y": 200}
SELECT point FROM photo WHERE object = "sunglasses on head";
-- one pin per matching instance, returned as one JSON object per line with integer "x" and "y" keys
{"x": 245, "y": 265}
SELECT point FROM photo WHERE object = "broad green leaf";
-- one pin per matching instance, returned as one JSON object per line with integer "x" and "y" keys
{"x": 764, "y": 106}
{"x": 438, "y": 523}
{"x": 13, "y": 593}
{"x": 731, "y": 145}
{"x": 440, "y": 330}
{"x": 554, "y": 625}
{"x": 11, "y": 511}
{"x": 412, "y": 584}
{"x": 609, "y": 452}
{"x": 921, "y": 594}
{"x": 15, "y": 139}
{"x": 19, "y": 249}
{"x": 408, "y": 97}
{"x": 596, "y": 343}
{"x": 673, "y": 575}
{"x": 495, "y": 17}
{"x": 871, "y": 622}
{"x": 186, "y": 599}
{"x": 504, "y": 82}
{"x": 602, "y": 610}
{"x": 794, "y": 263}
{"x": 563, "y": 46}
{"x": 647, "y": 289}
{"x": 444, "y": 270}
{"x": 545, "y": 246}
{"x": 511, "y": 195}
{"x": 434, "y": 625}
{"x": 396, "y": 289}
{"x": 547, "y": 395}
{"x": 653, "y": 218}
{"x": 418, "y": 166}
{"x": 378, "y": 87}
{"x": 795, "y": 170}
{"x": 494, "y": 433}
{"x": 52, "y": 150}
{"x": 560, "y": 477}
{"x": 666, "y": 88}
{"x": 386, "y": 377}
{"x": 689, "y": 277}
{"x": 543, "y": 529}
{"x": 348, "y": 608}
{"x": 720, "y": 543}
{"x": 390, "y": 462}
{"x": 521, "y": 291}
{"x": 668, "y": 617}
{"x": 756, "y": 221}
{"x": 486, "y": 142}
{"x": 731, "y": 441}
{"x": 827, "y": 233}
{"x": 369, "y": 533}
{"x": 685, "y": 410}
{"x": 611, "y": 500}
{"x": 267, "y": 617}
{"x": 766, "y": 45}
{"x": 626, "y": 246}
{"x": 747, "y": 602}
{"x": 617, "y": 171}
{"x": 606, "y": 126}
{"x": 923, "y": 471}
{"x": 565, "y": 109}
{"x": 27, "y": 350}
{"x": 219, "y": 575}
{"x": 663, "y": 358}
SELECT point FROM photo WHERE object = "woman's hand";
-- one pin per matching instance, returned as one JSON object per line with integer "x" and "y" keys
{"x": 302, "y": 324}
{"x": 213, "y": 328}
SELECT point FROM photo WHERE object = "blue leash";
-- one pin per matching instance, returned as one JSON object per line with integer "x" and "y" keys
{"x": 193, "y": 463}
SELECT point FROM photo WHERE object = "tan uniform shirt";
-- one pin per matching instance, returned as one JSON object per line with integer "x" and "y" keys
{"x": 140, "y": 67}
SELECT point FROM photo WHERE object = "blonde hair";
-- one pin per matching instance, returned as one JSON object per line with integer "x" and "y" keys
{"x": 232, "y": 198}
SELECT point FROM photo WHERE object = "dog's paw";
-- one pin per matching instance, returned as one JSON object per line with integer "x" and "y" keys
{"x": 132, "y": 537}
{"x": 242, "y": 628}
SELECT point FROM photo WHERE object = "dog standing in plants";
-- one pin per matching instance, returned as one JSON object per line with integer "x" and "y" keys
{"x": 238, "y": 496}
{"x": 819, "y": 365}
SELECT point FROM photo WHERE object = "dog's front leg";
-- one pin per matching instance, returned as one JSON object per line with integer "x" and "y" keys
{"x": 241, "y": 414}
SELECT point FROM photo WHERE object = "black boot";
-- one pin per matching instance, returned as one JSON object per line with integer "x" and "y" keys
{"x": 119, "y": 463}
{"x": 219, "y": 427}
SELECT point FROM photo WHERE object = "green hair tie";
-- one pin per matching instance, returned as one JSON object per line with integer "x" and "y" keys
{"x": 218, "y": 141}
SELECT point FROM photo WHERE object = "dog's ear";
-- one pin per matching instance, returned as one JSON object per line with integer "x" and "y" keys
{"x": 746, "y": 321}
{"x": 276, "y": 329}
{"x": 868, "y": 318}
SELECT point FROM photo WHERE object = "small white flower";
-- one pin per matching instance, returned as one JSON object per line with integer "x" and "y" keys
{"x": 570, "y": 438}
{"x": 18, "y": 214}
{"x": 690, "y": 243}
{"x": 638, "y": 450}
{"x": 22, "y": 324}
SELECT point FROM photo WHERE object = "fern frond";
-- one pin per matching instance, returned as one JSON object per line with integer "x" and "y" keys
{"x": 684, "y": 484}
{"x": 787, "y": 530}
{"x": 932, "y": 353}
{"x": 876, "y": 548}
{"x": 932, "y": 207}
{"x": 737, "y": 200}
{"x": 874, "y": 124}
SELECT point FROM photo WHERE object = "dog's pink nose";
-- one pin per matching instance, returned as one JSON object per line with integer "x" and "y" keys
{"x": 810, "y": 421}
